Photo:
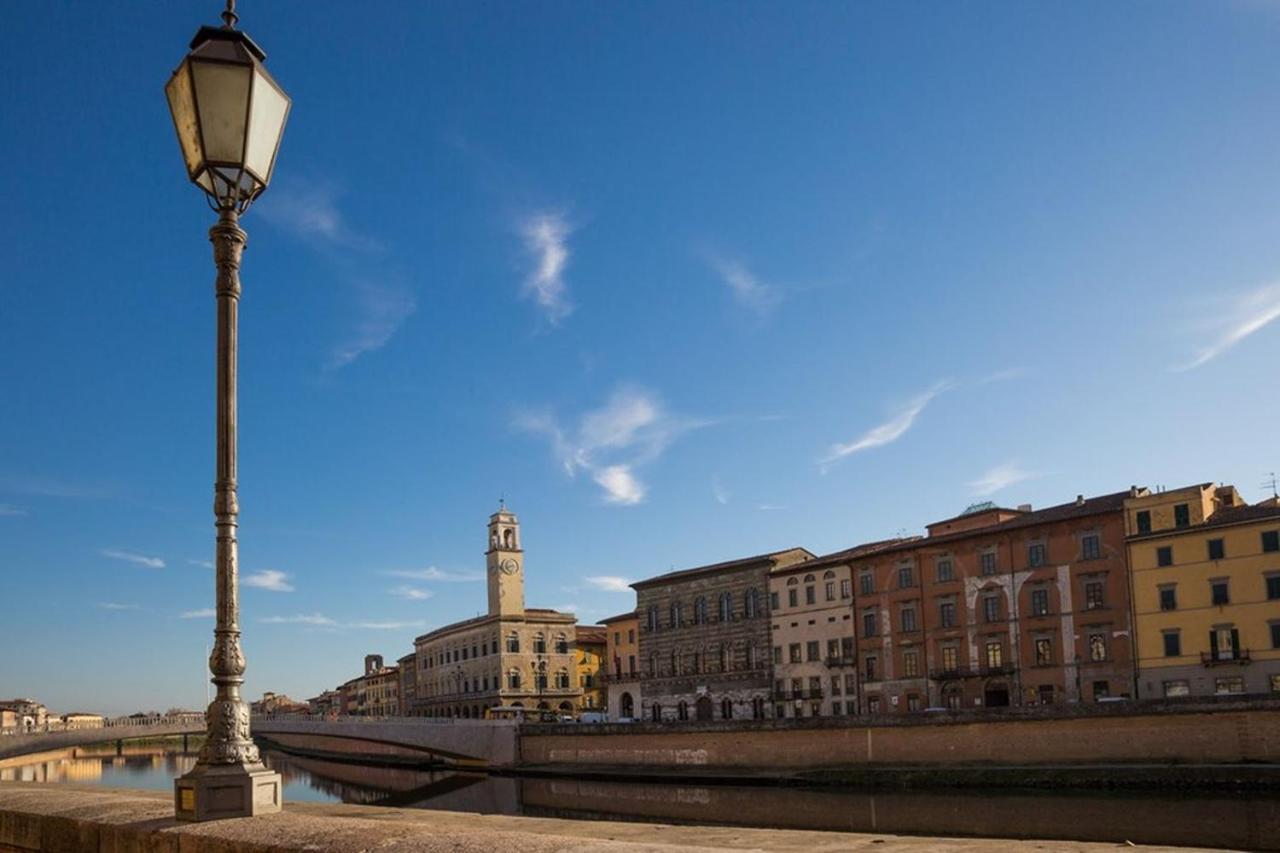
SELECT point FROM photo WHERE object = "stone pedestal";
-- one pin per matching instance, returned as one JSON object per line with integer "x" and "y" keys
{"x": 216, "y": 791}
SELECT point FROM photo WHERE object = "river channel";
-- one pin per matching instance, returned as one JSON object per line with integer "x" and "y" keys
{"x": 1237, "y": 821}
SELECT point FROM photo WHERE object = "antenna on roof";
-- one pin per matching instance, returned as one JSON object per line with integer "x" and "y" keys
{"x": 1272, "y": 483}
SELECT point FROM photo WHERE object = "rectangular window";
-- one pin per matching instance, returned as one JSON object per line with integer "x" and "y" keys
{"x": 631, "y": 635}
{"x": 873, "y": 704}
{"x": 1039, "y": 602}
{"x": 850, "y": 683}
{"x": 1221, "y": 595}
{"x": 1101, "y": 690}
{"x": 904, "y": 577}
{"x": 851, "y": 708}
{"x": 866, "y": 583}
{"x": 949, "y": 658}
{"x": 815, "y": 685}
{"x": 1275, "y": 635}
{"x": 797, "y": 688}
{"x": 836, "y": 709}
{"x": 794, "y": 651}
{"x": 777, "y": 654}
{"x": 995, "y": 654}
{"x": 1275, "y": 683}
{"x": 1044, "y": 651}
{"x": 1273, "y": 587}
{"x": 1172, "y": 644}
{"x": 811, "y": 650}
{"x": 846, "y": 589}
{"x": 947, "y": 614}
{"x": 1217, "y": 550}
{"x": 1174, "y": 689}
{"x": 869, "y": 669}
{"x": 846, "y": 648}
{"x": 1090, "y": 547}
{"x": 1143, "y": 519}
{"x": 1093, "y": 599}
{"x": 833, "y": 648}
{"x": 991, "y": 609}
{"x": 1035, "y": 555}
{"x": 835, "y": 685}
{"x": 910, "y": 665}
{"x": 913, "y": 702}
{"x": 773, "y": 601}
{"x": 631, "y": 664}
{"x": 831, "y": 590}
{"x": 809, "y": 596}
{"x": 1168, "y": 598}
{"x": 908, "y": 619}
{"x": 1164, "y": 555}
{"x": 946, "y": 571}
{"x": 869, "y": 624}
{"x": 1044, "y": 694}
{"x": 988, "y": 562}
{"x": 1182, "y": 515}
{"x": 1270, "y": 541}
{"x": 1097, "y": 647}
{"x": 793, "y": 597}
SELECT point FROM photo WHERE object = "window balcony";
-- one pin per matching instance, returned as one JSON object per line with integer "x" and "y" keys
{"x": 971, "y": 672}
{"x": 1239, "y": 657}
{"x": 841, "y": 660}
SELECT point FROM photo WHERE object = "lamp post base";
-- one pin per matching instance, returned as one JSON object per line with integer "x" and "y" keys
{"x": 217, "y": 791}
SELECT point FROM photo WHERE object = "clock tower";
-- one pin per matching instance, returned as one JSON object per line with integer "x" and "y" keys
{"x": 505, "y": 563}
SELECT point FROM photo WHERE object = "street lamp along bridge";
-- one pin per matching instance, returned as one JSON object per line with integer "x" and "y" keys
{"x": 229, "y": 115}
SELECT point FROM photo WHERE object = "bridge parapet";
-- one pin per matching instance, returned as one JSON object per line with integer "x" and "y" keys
{"x": 121, "y": 728}
{"x": 491, "y": 742}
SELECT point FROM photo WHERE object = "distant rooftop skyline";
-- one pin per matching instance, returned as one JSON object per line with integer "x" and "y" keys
{"x": 683, "y": 283}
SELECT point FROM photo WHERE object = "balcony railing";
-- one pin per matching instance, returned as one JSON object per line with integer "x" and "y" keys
{"x": 970, "y": 672}
{"x": 841, "y": 660}
{"x": 1236, "y": 656}
{"x": 808, "y": 693}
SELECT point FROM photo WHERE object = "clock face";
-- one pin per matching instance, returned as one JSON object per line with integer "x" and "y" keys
{"x": 509, "y": 567}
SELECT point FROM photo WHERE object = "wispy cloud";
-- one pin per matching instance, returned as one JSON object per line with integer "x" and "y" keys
{"x": 998, "y": 478}
{"x": 270, "y": 579}
{"x": 113, "y": 605}
{"x": 719, "y": 492}
{"x": 412, "y": 593}
{"x": 769, "y": 507}
{"x": 748, "y": 290}
{"x": 546, "y": 237}
{"x": 1005, "y": 375}
{"x": 566, "y": 608}
{"x": 316, "y": 619}
{"x": 11, "y": 511}
{"x": 386, "y": 626}
{"x": 130, "y": 557}
{"x": 311, "y": 212}
{"x": 204, "y": 564}
{"x": 431, "y": 573}
{"x": 630, "y": 430}
{"x": 887, "y": 432}
{"x": 202, "y": 613}
{"x": 609, "y": 583}
{"x": 382, "y": 308}
{"x": 1241, "y": 317}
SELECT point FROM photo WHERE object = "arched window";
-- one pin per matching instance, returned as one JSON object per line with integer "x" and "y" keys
{"x": 700, "y": 611}
{"x": 653, "y": 666}
{"x": 562, "y": 679}
{"x": 653, "y": 618}
{"x": 808, "y": 578}
{"x": 682, "y": 710}
{"x": 828, "y": 575}
{"x": 506, "y": 537}
{"x": 562, "y": 645}
{"x": 628, "y": 706}
{"x": 677, "y": 614}
{"x": 675, "y": 663}
{"x": 695, "y": 663}
{"x": 751, "y": 656}
{"x": 726, "y": 606}
{"x": 539, "y": 644}
{"x": 513, "y": 679}
{"x": 751, "y": 603}
{"x": 792, "y": 581}
{"x": 513, "y": 642}
{"x": 656, "y": 711}
{"x": 724, "y": 659}
{"x": 726, "y": 709}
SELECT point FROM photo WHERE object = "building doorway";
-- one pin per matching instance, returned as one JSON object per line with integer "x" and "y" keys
{"x": 628, "y": 706}
{"x": 703, "y": 708}
{"x": 996, "y": 696}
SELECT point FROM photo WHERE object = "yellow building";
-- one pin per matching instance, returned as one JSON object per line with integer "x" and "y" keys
{"x": 1205, "y": 569}
{"x": 622, "y": 670}
{"x": 589, "y": 646}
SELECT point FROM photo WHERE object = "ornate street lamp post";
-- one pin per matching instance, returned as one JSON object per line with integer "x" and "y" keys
{"x": 229, "y": 115}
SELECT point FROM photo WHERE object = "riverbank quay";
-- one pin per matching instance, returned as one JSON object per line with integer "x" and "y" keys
{"x": 48, "y": 819}
{"x": 1213, "y": 741}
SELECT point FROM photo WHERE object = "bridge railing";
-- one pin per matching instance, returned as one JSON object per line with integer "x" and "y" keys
{"x": 157, "y": 720}
{"x": 359, "y": 718}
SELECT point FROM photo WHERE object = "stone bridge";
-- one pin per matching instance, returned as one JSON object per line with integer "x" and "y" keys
{"x": 491, "y": 743}
{"x": 124, "y": 728}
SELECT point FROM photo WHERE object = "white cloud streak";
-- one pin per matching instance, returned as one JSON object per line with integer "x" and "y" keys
{"x": 319, "y": 620}
{"x": 609, "y": 583}
{"x": 998, "y": 478}
{"x": 632, "y": 429}
{"x": 412, "y": 593}
{"x": 204, "y": 564}
{"x": 112, "y": 605}
{"x": 887, "y": 432}
{"x": 719, "y": 492}
{"x": 748, "y": 290}
{"x": 545, "y": 237}
{"x": 382, "y": 310}
{"x": 431, "y": 573}
{"x": 314, "y": 619}
{"x": 11, "y": 511}
{"x": 202, "y": 613}
{"x": 130, "y": 557}
{"x": 269, "y": 579}
{"x": 1246, "y": 314}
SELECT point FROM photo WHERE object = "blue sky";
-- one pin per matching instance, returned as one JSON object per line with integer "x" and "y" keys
{"x": 685, "y": 282}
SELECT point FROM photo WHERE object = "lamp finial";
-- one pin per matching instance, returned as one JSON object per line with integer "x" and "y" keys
{"x": 229, "y": 16}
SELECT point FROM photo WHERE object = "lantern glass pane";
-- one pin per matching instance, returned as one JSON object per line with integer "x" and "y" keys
{"x": 266, "y": 125}
{"x": 222, "y": 95}
{"x": 183, "y": 107}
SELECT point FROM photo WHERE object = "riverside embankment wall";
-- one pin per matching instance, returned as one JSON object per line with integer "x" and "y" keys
{"x": 1217, "y": 733}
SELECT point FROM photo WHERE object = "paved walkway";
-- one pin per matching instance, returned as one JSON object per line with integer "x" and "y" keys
{"x": 43, "y": 817}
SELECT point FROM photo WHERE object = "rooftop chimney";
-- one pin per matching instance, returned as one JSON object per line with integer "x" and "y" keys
{"x": 1024, "y": 507}
{"x": 1079, "y": 500}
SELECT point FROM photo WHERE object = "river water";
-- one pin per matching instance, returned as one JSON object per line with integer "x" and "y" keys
{"x": 1237, "y": 821}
